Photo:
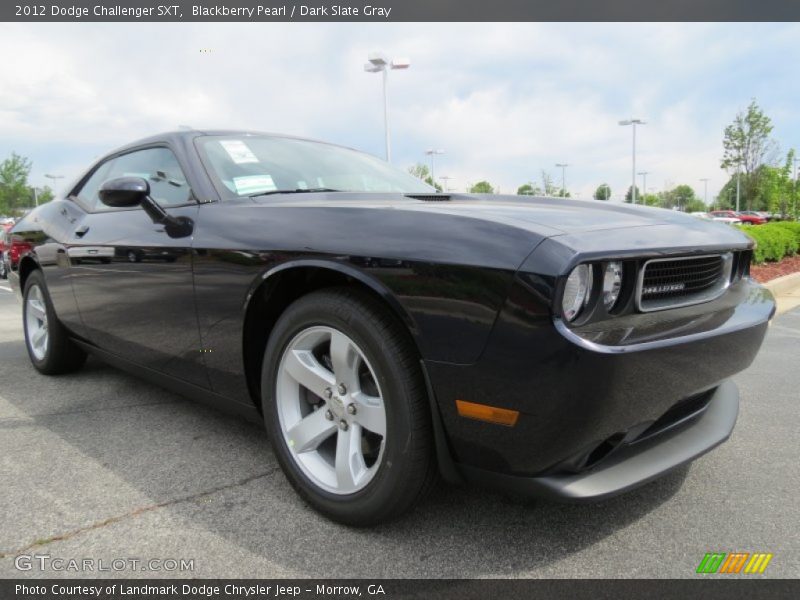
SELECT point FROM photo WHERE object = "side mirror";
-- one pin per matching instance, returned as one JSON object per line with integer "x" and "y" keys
{"x": 124, "y": 192}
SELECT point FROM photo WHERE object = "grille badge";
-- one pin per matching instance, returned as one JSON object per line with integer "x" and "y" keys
{"x": 659, "y": 289}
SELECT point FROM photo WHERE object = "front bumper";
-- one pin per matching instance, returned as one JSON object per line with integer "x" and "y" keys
{"x": 588, "y": 398}
{"x": 634, "y": 464}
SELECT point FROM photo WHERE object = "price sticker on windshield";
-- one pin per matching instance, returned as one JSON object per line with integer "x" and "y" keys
{"x": 239, "y": 152}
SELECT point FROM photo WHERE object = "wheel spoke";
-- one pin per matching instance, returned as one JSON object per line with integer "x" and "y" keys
{"x": 345, "y": 360}
{"x": 310, "y": 432}
{"x": 370, "y": 413}
{"x": 305, "y": 369}
{"x": 350, "y": 466}
{"x": 39, "y": 336}
{"x": 36, "y": 308}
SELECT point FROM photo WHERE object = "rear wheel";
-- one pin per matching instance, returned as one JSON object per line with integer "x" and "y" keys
{"x": 49, "y": 347}
{"x": 345, "y": 408}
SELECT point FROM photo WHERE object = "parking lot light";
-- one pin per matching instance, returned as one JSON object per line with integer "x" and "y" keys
{"x": 379, "y": 63}
{"x": 634, "y": 123}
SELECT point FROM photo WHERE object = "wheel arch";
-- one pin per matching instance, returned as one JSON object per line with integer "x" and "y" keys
{"x": 274, "y": 290}
{"x": 27, "y": 265}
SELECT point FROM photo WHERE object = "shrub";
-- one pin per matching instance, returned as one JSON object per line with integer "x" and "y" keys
{"x": 773, "y": 240}
{"x": 792, "y": 227}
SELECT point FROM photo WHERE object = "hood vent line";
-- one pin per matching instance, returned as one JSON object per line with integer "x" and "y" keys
{"x": 429, "y": 197}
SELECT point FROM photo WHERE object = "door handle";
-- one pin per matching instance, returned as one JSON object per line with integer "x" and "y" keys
{"x": 81, "y": 231}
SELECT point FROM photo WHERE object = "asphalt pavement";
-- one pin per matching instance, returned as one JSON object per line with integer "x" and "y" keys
{"x": 99, "y": 465}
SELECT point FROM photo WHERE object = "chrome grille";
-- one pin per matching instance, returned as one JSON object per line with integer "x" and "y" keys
{"x": 672, "y": 282}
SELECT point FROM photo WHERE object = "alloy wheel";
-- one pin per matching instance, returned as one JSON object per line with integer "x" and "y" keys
{"x": 36, "y": 322}
{"x": 331, "y": 410}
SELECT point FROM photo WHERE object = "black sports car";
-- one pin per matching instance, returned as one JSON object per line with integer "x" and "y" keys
{"x": 385, "y": 332}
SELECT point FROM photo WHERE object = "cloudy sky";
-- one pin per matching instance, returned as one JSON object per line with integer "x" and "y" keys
{"x": 504, "y": 101}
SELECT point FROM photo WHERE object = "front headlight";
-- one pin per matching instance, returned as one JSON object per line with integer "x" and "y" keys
{"x": 576, "y": 292}
{"x": 612, "y": 283}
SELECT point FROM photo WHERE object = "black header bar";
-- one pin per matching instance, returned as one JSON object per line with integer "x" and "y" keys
{"x": 395, "y": 11}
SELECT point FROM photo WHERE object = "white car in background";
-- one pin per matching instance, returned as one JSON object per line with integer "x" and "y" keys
{"x": 708, "y": 217}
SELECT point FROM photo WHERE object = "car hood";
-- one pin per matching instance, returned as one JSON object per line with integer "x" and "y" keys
{"x": 547, "y": 217}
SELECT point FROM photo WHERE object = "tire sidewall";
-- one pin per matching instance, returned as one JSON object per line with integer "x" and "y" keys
{"x": 381, "y": 490}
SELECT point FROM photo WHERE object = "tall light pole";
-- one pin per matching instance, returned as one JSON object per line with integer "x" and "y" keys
{"x": 432, "y": 153}
{"x": 644, "y": 175}
{"x": 378, "y": 63}
{"x": 634, "y": 123}
{"x": 738, "y": 186}
{"x": 446, "y": 179}
{"x": 563, "y": 167}
{"x": 53, "y": 178}
{"x": 794, "y": 189}
{"x": 705, "y": 190}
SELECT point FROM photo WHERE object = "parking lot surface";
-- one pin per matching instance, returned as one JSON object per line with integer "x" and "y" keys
{"x": 104, "y": 466}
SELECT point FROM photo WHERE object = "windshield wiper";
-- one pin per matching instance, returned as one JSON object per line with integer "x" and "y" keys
{"x": 297, "y": 191}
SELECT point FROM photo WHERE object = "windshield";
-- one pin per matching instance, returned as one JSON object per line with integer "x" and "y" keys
{"x": 251, "y": 165}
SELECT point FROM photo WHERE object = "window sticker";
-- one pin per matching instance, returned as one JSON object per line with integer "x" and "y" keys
{"x": 254, "y": 184}
{"x": 239, "y": 152}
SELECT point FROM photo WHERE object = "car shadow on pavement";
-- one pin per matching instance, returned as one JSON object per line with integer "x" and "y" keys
{"x": 175, "y": 452}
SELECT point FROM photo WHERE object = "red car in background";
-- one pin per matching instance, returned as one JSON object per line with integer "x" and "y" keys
{"x": 10, "y": 250}
{"x": 744, "y": 217}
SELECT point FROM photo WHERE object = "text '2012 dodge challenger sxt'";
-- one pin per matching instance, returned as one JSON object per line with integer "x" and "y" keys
{"x": 386, "y": 333}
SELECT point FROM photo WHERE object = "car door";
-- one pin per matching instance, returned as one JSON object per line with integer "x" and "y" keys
{"x": 132, "y": 281}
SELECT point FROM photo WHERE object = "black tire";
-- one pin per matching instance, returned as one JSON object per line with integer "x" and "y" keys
{"x": 408, "y": 469}
{"x": 61, "y": 354}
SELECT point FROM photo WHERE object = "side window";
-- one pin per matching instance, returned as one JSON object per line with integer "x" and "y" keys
{"x": 158, "y": 166}
{"x": 88, "y": 192}
{"x": 168, "y": 185}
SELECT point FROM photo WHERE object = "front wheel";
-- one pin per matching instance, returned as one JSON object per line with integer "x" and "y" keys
{"x": 346, "y": 409}
{"x": 50, "y": 349}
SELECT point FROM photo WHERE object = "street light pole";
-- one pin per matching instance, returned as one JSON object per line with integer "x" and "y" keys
{"x": 378, "y": 63}
{"x": 634, "y": 123}
{"x": 794, "y": 190}
{"x": 644, "y": 175}
{"x": 53, "y": 178}
{"x": 705, "y": 190}
{"x": 446, "y": 179}
{"x": 738, "y": 186}
{"x": 563, "y": 178}
{"x": 432, "y": 153}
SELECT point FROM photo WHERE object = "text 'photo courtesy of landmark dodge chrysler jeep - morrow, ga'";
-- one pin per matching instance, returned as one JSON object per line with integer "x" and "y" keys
{"x": 388, "y": 334}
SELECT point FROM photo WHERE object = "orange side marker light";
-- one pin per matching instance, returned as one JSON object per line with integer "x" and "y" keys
{"x": 490, "y": 414}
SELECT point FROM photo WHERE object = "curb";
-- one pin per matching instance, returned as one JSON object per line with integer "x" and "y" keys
{"x": 783, "y": 285}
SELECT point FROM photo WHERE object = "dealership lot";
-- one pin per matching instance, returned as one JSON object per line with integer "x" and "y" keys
{"x": 102, "y": 466}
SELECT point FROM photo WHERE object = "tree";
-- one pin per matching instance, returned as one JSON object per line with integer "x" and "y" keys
{"x": 549, "y": 188}
{"x": 776, "y": 187}
{"x": 14, "y": 191}
{"x": 650, "y": 200}
{"x": 529, "y": 189}
{"x": 45, "y": 195}
{"x": 628, "y": 197}
{"x": 746, "y": 146}
{"x": 603, "y": 192}
{"x": 682, "y": 197}
{"x": 482, "y": 187}
{"x": 421, "y": 171}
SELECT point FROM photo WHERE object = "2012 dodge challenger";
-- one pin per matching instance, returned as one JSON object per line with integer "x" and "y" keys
{"x": 386, "y": 333}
